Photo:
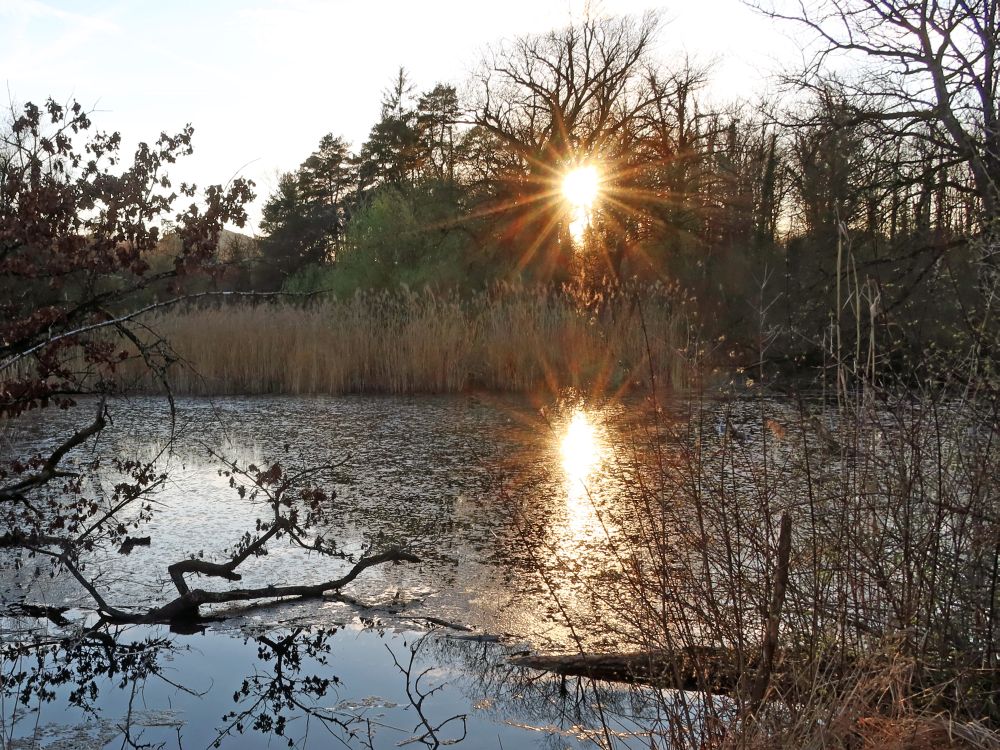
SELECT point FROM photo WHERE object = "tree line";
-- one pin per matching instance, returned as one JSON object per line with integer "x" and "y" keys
{"x": 743, "y": 205}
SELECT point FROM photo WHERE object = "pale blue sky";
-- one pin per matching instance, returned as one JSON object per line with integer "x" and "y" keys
{"x": 263, "y": 80}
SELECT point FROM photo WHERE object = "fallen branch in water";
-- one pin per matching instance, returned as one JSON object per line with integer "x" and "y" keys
{"x": 186, "y": 605}
{"x": 295, "y": 505}
{"x": 707, "y": 669}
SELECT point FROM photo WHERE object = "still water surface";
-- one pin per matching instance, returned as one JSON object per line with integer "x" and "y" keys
{"x": 485, "y": 490}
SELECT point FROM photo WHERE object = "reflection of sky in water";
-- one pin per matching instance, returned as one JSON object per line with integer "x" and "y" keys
{"x": 425, "y": 471}
{"x": 422, "y": 471}
{"x": 373, "y": 699}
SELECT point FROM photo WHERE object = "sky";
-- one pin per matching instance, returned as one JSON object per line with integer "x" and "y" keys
{"x": 263, "y": 80}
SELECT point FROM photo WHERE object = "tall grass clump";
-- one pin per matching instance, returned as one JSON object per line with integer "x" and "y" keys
{"x": 508, "y": 339}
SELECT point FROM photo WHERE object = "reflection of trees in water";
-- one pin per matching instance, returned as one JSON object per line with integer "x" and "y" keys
{"x": 428, "y": 731}
{"x": 73, "y": 665}
{"x": 37, "y": 664}
{"x": 290, "y": 692}
{"x": 282, "y": 695}
{"x": 270, "y": 697}
{"x": 610, "y": 715}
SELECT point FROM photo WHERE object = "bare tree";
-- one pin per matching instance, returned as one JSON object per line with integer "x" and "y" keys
{"x": 558, "y": 99}
{"x": 929, "y": 73}
{"x": 567, "y": 92}
{"x": 78, "y": 230}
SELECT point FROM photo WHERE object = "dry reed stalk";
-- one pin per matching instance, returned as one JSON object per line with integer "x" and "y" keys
{"x": 510, "y": 339}
{"x": 892, "y": 611}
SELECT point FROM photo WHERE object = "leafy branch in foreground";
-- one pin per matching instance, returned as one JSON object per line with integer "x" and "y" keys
{"x": 82, "y": 258}
{"x": 295, "y": 506}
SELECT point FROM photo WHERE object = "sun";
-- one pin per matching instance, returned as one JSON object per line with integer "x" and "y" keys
{"x": 580, "y": 187}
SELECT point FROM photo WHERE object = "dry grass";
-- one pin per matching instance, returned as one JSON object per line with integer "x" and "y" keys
{"x": 511, "y": 339}
{"x": 889, "y": 630}
{"x": 877, "y": 623}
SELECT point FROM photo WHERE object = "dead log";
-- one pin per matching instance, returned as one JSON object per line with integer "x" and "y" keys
{"x": 705, "y": 668}
{"x": 186, "y": 606}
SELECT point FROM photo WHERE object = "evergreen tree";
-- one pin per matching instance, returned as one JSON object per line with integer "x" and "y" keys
{"x": 392, "y": 153}
{"x": 438, "y": 111}
{"x": 328, "y": 179}
{"x": 305, "y": 219}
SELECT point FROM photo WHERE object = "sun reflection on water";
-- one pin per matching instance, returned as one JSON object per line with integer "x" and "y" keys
{"x": 579, "y": 447}
{"x": 582, "y": 451}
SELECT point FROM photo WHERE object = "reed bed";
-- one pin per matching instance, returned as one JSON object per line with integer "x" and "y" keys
{"x": 509, "y": 339}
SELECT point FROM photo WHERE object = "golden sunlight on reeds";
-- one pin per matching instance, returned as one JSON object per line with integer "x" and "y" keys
{"x": 509, "y": 339}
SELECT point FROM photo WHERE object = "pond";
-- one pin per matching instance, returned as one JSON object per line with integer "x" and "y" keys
{"x": 504, "y": 500}
{"x": 357, "y": 685}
